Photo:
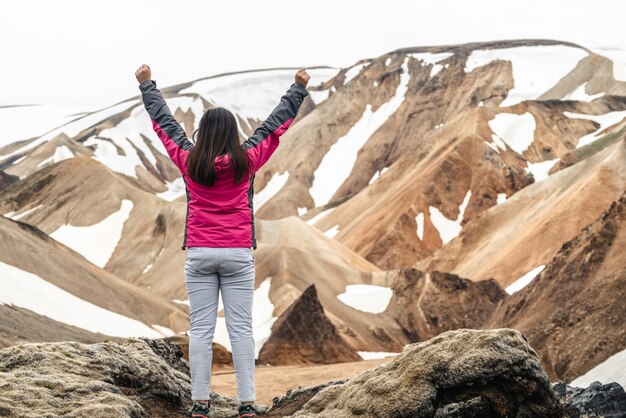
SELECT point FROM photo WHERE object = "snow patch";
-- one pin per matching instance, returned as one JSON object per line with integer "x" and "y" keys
{"x": 165, "y": 331}
{"x": 501, "y": 198}
{"x": 581, "y": 95}
{"x": 540, "y": 171}
{"x": 332, "y": 231}
{"x": 366, "y": 297}
{"x": 175, "y": 189}
{"x": 518, "y": 131}
{"x": 29, "y": 291}
{"x": 377, "y": 174}
{"x": 319, "y": 216}
{"x": 60, "y": 153}
{"x": 148, "y": 267}
{"x": 19, "y": 160}
{"x": 319, "y": 96}
{"x": 419, "y": 220}
{"x": 387, "y": 62}
{"x": 375, "y": 355}
{"x": 536, "y": 69}
{"x": 302, "y": 211}
{"x": 337, "y": 164}
{"x": 524, "y": 281}
{"x": 17, "y": 217}
{"x": 272, "y": 187}
{"x": 496, "y": 143}
{"x": 96, "y": 242}
{"x": 353, "y": 72}
{"x": 428, "y": 58}
{"x": 448, "y": 229}
{"x": 610, "y": 370}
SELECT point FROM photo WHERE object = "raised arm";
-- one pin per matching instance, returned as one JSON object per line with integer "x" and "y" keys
{"x": 264, "y": 141}
{"x": 164, "y": 124}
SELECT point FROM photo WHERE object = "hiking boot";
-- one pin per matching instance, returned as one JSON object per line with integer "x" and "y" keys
{"x": 247, "y": 411}
{"x": 200, "y": 410}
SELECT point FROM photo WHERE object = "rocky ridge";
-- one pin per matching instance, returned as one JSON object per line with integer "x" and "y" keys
{"x": 460, "y": 373}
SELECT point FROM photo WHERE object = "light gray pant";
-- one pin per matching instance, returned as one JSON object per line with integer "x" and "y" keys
{"x": 207, "y": 270}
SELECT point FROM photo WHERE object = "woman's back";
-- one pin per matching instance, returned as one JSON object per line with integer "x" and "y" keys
{"x": 220, "y": 215}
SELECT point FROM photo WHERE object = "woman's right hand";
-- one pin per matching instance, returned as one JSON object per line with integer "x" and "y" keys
{"x": 302, "y": 77}
{"x": 143, "y": 73}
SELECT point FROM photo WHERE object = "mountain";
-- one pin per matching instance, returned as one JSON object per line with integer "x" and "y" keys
{"x": 412, "y": 189}
{"x": 571, "y": 311}
{"x": 525, "y": 232}
{"x": 56, "y": 288}
{"x": 303, "y": 334}
{"x": 412, "y": 145}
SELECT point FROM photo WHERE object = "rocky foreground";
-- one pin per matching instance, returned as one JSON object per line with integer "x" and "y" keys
{"x": 462, "y": 373}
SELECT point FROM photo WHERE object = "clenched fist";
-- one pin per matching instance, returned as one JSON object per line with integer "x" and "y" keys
{"x": 143, "y": 73}
{"x": 302, "y": 77}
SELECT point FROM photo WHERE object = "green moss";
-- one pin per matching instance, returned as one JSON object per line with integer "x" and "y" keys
{"x": 68, "y": 354}
{"x": 50, "y": 385}
{"x": 598, "y": 145}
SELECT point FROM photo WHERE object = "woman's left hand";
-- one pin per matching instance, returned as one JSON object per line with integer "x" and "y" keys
{"x": 143, "y": 73}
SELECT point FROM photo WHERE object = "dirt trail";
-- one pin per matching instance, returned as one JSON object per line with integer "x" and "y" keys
{"x": 274, "y": 381}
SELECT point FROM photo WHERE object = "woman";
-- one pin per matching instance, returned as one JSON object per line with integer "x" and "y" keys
{"x": 219, "y": 232}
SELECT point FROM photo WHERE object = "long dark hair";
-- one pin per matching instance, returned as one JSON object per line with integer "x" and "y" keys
{"x": 216, "y": 136}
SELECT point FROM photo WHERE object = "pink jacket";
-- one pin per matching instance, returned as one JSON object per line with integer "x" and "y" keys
{"x": 220, "y": 215}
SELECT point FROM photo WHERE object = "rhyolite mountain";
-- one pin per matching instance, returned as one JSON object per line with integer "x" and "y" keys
{"x": 412, "y": 189}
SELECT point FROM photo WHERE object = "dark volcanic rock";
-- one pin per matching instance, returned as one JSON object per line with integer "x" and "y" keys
{"x": 427, "y": 304}
{"x": 7, "y": 179}
{"x": 293, "y": 400}
{"x": 477, "y": 407}
{"x": 303, "y": 334}
{"x": 597, "y": 400}
{"x": 171, "y": 353}
{"x": 490, "y": 373}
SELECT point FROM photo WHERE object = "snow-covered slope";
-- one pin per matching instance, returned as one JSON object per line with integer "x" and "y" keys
{"x": 535, "y": 68}
{"x": 121, "y": 136}
{"x": 27, "y": 290}
{"x": 47, "y": 278}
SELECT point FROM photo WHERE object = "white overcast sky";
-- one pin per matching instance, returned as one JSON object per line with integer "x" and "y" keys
{"x": 86, "y": 52}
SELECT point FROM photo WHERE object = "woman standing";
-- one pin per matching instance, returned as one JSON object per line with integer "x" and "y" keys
{"x": 219, "y": 232}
